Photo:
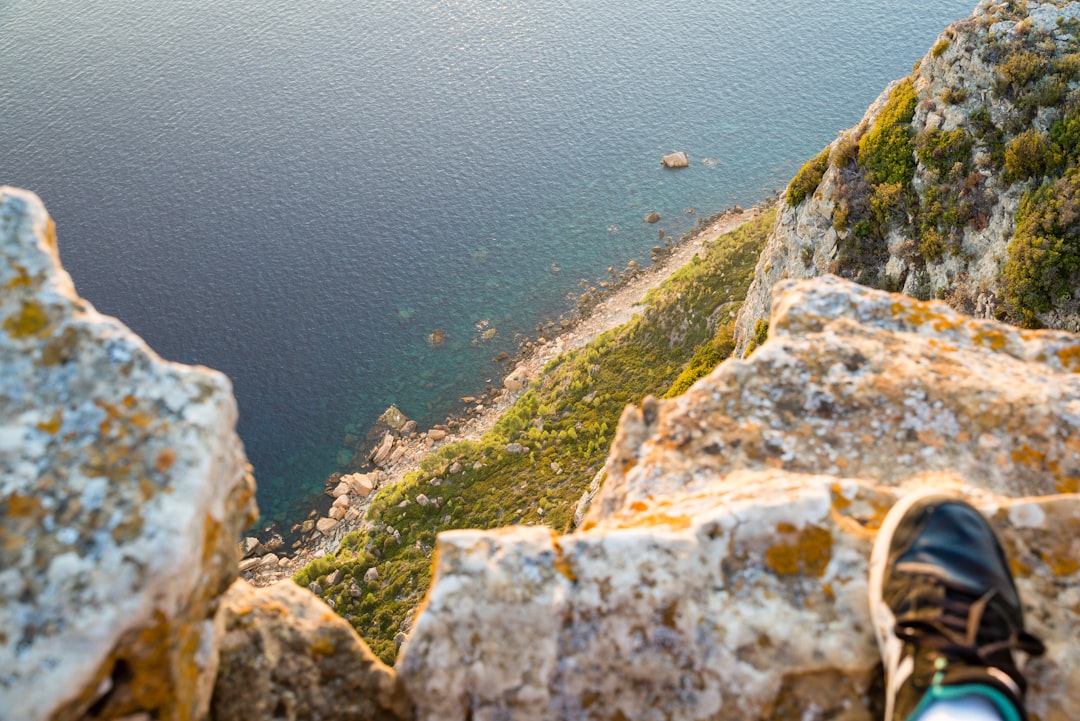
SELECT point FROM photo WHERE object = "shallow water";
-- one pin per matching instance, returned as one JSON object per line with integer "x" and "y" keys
{"x": 298, "y": 194}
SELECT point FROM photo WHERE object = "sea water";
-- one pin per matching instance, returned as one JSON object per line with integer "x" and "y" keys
{"x": 298, "y": 194}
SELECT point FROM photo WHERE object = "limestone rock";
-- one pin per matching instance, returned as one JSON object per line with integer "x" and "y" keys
{"x": 381, "y": 454}
{"x": 325, "y": 525}
{"x": 123, "y": 493}
{"x": 675, "y": 160}
{"x": 436, "y": 434}
{"x": 393, "y": 418}
{"x": 515, "y": 448}
{"x": 286, "y": 654}
{"x": 810, "y": 240}
{"x": 721, "y": 570}
{"x": 360, "y": 484}
{"x": 652, "y": 218}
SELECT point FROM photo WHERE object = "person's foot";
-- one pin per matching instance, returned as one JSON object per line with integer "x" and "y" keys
{"x": 945, "y": 609}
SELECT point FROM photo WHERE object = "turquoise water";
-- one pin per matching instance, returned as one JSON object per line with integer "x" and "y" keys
{"x": 298, "y": 194}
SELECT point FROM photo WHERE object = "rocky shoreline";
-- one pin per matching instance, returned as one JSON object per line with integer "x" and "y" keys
{"x": 396, "y": 447}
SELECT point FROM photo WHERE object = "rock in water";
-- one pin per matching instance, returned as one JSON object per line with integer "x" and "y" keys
{"x": 676, "y": 160}
{"x": 123, "y": 493}
{"x": 653, "y": 217}
{"x": 722, "y": 568}
{"x": 393, "y": 418}
{"x": 286, "y": 654}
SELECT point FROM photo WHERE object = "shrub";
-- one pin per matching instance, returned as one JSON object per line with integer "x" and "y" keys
{"x": 1026, "y": 155}
{"x": 846, "y": 148}
{"x": 931, "y": 245}
{"x": 940, "y": 47}
{"x": 942, "y": 150}
{"x": 808, "y": 178}
{"x": 1043, "y": 262}
{"x": 1021, "y": 68}
{"x": 885, "y": 200}
{"x": 953, "y": 96}
{"x": 886, "y": 151}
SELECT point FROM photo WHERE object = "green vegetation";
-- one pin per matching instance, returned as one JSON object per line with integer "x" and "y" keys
{"x": 705, "y": 358}
{"x": 1044, "y": 255}
{"x": 808, "y": 178}
{"x": 1027, "y": 155}
{"x": 565, "y": 422}
{"x": 886, "y": 151}
{"x": 940, "y": 47}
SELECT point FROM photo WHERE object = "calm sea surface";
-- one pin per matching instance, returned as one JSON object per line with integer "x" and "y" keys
{"x": 299, "y": 193}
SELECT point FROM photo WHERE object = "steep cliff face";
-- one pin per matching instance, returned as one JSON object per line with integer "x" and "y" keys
{"x": 722, "y": 570}
{"x": 960, "y": 182}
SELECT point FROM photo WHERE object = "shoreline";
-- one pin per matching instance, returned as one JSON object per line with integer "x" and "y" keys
{"x": 604, "y": 310}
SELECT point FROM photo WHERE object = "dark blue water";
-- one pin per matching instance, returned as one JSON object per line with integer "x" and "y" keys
{"x": 299, "y": 193}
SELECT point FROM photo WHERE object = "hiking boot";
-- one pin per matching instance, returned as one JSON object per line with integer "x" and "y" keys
{"x": 945, "y": 608}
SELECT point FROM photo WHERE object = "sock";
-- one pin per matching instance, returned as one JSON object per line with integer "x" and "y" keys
{"x": 969, "y": 707}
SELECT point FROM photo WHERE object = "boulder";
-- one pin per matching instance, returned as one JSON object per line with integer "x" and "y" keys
{"x": 360, "y": 484}
{"x": 123, "y": 494}
{"x": 653, "y": 217}
{"x": 393, "y": 418}
{"x": 325, "y": 525}
{"x": 722, "y": 568}
{"x": 675, "y": 160}
{"x": 515, "y": 448}
{"x": 341, "y": 489}
{"x": 436, "y": 435}
{"x": 342, "y": 501}
{"x": 381, "y": 454}
{"x": 286, "y": 654}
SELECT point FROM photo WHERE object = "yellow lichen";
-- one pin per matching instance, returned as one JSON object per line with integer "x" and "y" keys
{"x": 31, "y": 320}
{"x": 52, "y": 426}
{"x": 1070, "y": 358}
{"x": 21, "y": 280}
{"x": 1062, "y": 565}
{"x": 809, "y": 555}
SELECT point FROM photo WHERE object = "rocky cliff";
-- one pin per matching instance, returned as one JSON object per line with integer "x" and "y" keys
{"x": 721, "y": 568}
{"x": 959, "y": 183}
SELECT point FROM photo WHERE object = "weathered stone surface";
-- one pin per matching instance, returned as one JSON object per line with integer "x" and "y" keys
{"x": 325, "y": 525}
{"x": 721, "y": 571}
{"x": 287, "y": 655}
{"x": 360, "y": 484}
{"x": 123, "y": 494}
{"x": 381, "y": 454}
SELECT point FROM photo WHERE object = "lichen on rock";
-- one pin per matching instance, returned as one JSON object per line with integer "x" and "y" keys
{"x": 287, "y": 655}
{"x": 722, "y": 567}
{"x": 123, "y": 491}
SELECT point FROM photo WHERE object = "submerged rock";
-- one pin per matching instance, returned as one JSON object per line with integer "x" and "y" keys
{"x": 722, "y": 568}
{"x": 123, "y": 493}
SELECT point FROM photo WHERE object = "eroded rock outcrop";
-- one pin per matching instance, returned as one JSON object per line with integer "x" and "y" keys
{"x": 123, "y": 491}
{"x": 721, "y": 571}
{"x": 286, "y": 655}
{"x": 959, "y": 183}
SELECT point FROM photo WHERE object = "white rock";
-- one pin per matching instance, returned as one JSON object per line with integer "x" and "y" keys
{"x": 676, "y": 160}
{"x": 325, "y": 525}
{"x": 142, "y": 457}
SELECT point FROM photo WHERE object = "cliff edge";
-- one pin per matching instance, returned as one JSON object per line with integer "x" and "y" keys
{"x": 722, "y": 569}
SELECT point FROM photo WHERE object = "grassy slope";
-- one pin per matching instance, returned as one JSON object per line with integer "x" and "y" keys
{"x": 566, "y": 421}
